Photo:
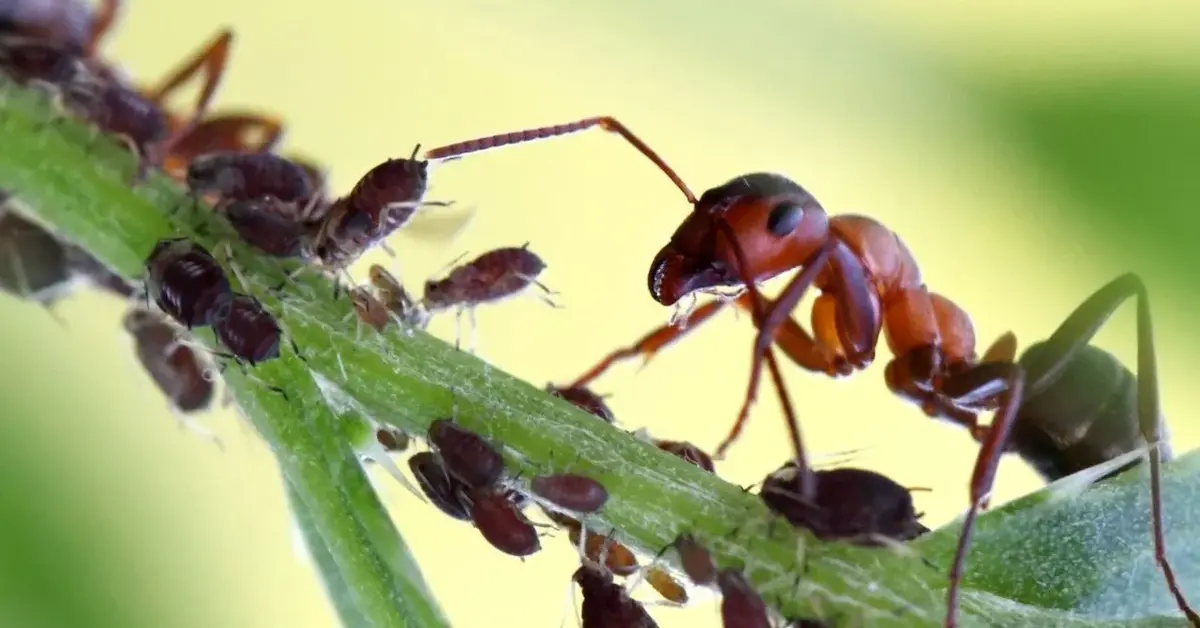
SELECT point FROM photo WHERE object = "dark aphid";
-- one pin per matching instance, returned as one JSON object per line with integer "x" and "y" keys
{"x": 445, "y": 491}
{"x": 185, "y": 281}
{"x": 741, "y": 606}
{"x": 382, "y": 201}
{"x": 269, "y": 226}
{"x": 247, "y": 329}
{"x": 570, "y": 491}
{"x": 467, "y": 456}
{"x": 391, "y": 439}
{"x": 180, "y": 371}
{"x": 237, "y": 176}
{"x": 395, "y": 298}
{"x": 124, "y": 113}
{"x": 584, "y": 399}
{"x": 689, "y": 452}
{"x": 34, "y": 264}
{"x": 66, "y": 24}
{"x": 666, "y": 585}
{"x": 854, "y": 505}
{"x": 695, "y": 560}
{"x": 607, "y": 604}
{"x": 37, "y": 63}
{"x": 1086, "y": 417}
{"x": 369, "y": 309}
{"x": 495, "y": 275}
{"x": 502, "y": 524}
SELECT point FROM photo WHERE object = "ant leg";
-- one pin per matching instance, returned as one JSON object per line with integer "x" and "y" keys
{"x": 982, "y": 380}
{"x": 653, "y": 342}
{"x": 227, "y": 131}
{"x": 211, "y": 60}
{"x": 1075, "y": 333}
{"x": 102, "y": 21}
{"x": 610, "y": 124}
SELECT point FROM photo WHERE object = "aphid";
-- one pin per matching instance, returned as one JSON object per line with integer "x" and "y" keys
{"x": 369, "y": 309}
{"x": 850, "y": 504}
{"x": 584, "y": 399}
{"x": 495, "y": 275}
{"x": 396, "y": 299}
{"x": 240, "y": 176}
{"x": 34, "y": 264}
{"x": 465, "y": 454}
{"x": 181, "y": 372}
{"x": 185, "y": 281}
{"x": 606, "y": 604}
{"x": 695, "y": 560}
{"x": 270, "y": 226}
{"x": 760, "y": 225}
{"x": 688, "y": 452}
{"x": 667, "y": 586}
{"x": 244, "y": 327}
{"x": 570, "y": 491}
{"x": 502, "y": 524}
{"x": 444, "y": 490}
{"x": 741, "y": 606}
{"x": 616, "y": 557}
{"x": 132, "y": 118}
{"x": 391, "y": 439}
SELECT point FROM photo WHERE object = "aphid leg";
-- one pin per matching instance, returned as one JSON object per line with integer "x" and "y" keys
{"x": 474, "y": 330}
{"x": 458, "y": 313}
{"x": 193, "y": 425}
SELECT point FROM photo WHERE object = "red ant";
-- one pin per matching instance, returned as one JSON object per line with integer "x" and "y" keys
{"x": 760, "y": 225}
{"x": 584, "y": 399}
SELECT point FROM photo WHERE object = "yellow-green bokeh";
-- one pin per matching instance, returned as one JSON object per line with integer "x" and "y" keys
{"x": 854, "y": 100}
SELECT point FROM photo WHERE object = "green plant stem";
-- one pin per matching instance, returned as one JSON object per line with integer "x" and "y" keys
{"x": 409, "y": 379}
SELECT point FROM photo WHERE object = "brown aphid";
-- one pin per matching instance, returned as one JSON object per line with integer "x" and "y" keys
{"x": 584, "y": 399}
{"x": 246, "y": 329}
{"x": 607, "y": 604}
{"x": 369, "y": 309}
{"x": 854, "y": 505}
{"x": 185, "y": 281}
{"x": 695, "y": 560}
{"x": 495, "y": 275}
{"x": 67, "y": 24}
{"x": 180, "y": 371}
{"x": 391, "y": 439}
{"x": 235, "y": 176}
{"x": 502, "y": 524}
{"x": 34, "y": 264}
{"x": 570, "y": 491}
{"x": 741, "y": 606}
{"x": 382, "y": 201}
{"x": 124, "y": 113}
{"x": 689, "y": 452}
{"x": 445, "y": 491}
{"x": 270, "y": 226}
{"x": 466, "y": 455}
{"x": 396, "y": 298}
{"x": 617, "y": 558}
{"x": 666, "y": 585}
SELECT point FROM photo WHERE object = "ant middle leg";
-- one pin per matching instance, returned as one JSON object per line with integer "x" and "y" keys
{"x": 210, "y": 60}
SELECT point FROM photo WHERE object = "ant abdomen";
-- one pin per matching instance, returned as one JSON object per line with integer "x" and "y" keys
{"x": 185, "y": 281}
{"x": 1086, "y": 417}
{"x": 248, "y": 330}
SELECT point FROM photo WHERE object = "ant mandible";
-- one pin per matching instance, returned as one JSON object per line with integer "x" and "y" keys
{"x": 757, "y": 226}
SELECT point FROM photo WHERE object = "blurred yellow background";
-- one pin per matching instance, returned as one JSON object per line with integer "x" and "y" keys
{"x": 871, "y": 106}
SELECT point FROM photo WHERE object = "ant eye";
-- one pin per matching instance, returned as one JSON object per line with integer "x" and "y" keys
{"x": 784, "y": 219}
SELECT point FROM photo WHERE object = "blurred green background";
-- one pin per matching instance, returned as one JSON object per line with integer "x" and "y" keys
{"x": 1027, "y": 153}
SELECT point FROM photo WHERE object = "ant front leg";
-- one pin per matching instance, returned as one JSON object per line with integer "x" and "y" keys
{"x": 653, "y": 342}
{"x": 238, "y": 132}
{"x": 211, "y": 60}
{"x": 102, "y": 21}
{"x": 1075, "y": 333}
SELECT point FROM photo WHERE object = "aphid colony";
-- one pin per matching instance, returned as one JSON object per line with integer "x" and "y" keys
{"x": 736, "y": 235}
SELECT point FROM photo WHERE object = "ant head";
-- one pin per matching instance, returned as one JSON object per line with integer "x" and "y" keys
{"x": 776, "y": 223}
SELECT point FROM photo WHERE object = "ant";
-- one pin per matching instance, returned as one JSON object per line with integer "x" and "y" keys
{"x": 584, "y": 399}
{"x": 760, "y": 225}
